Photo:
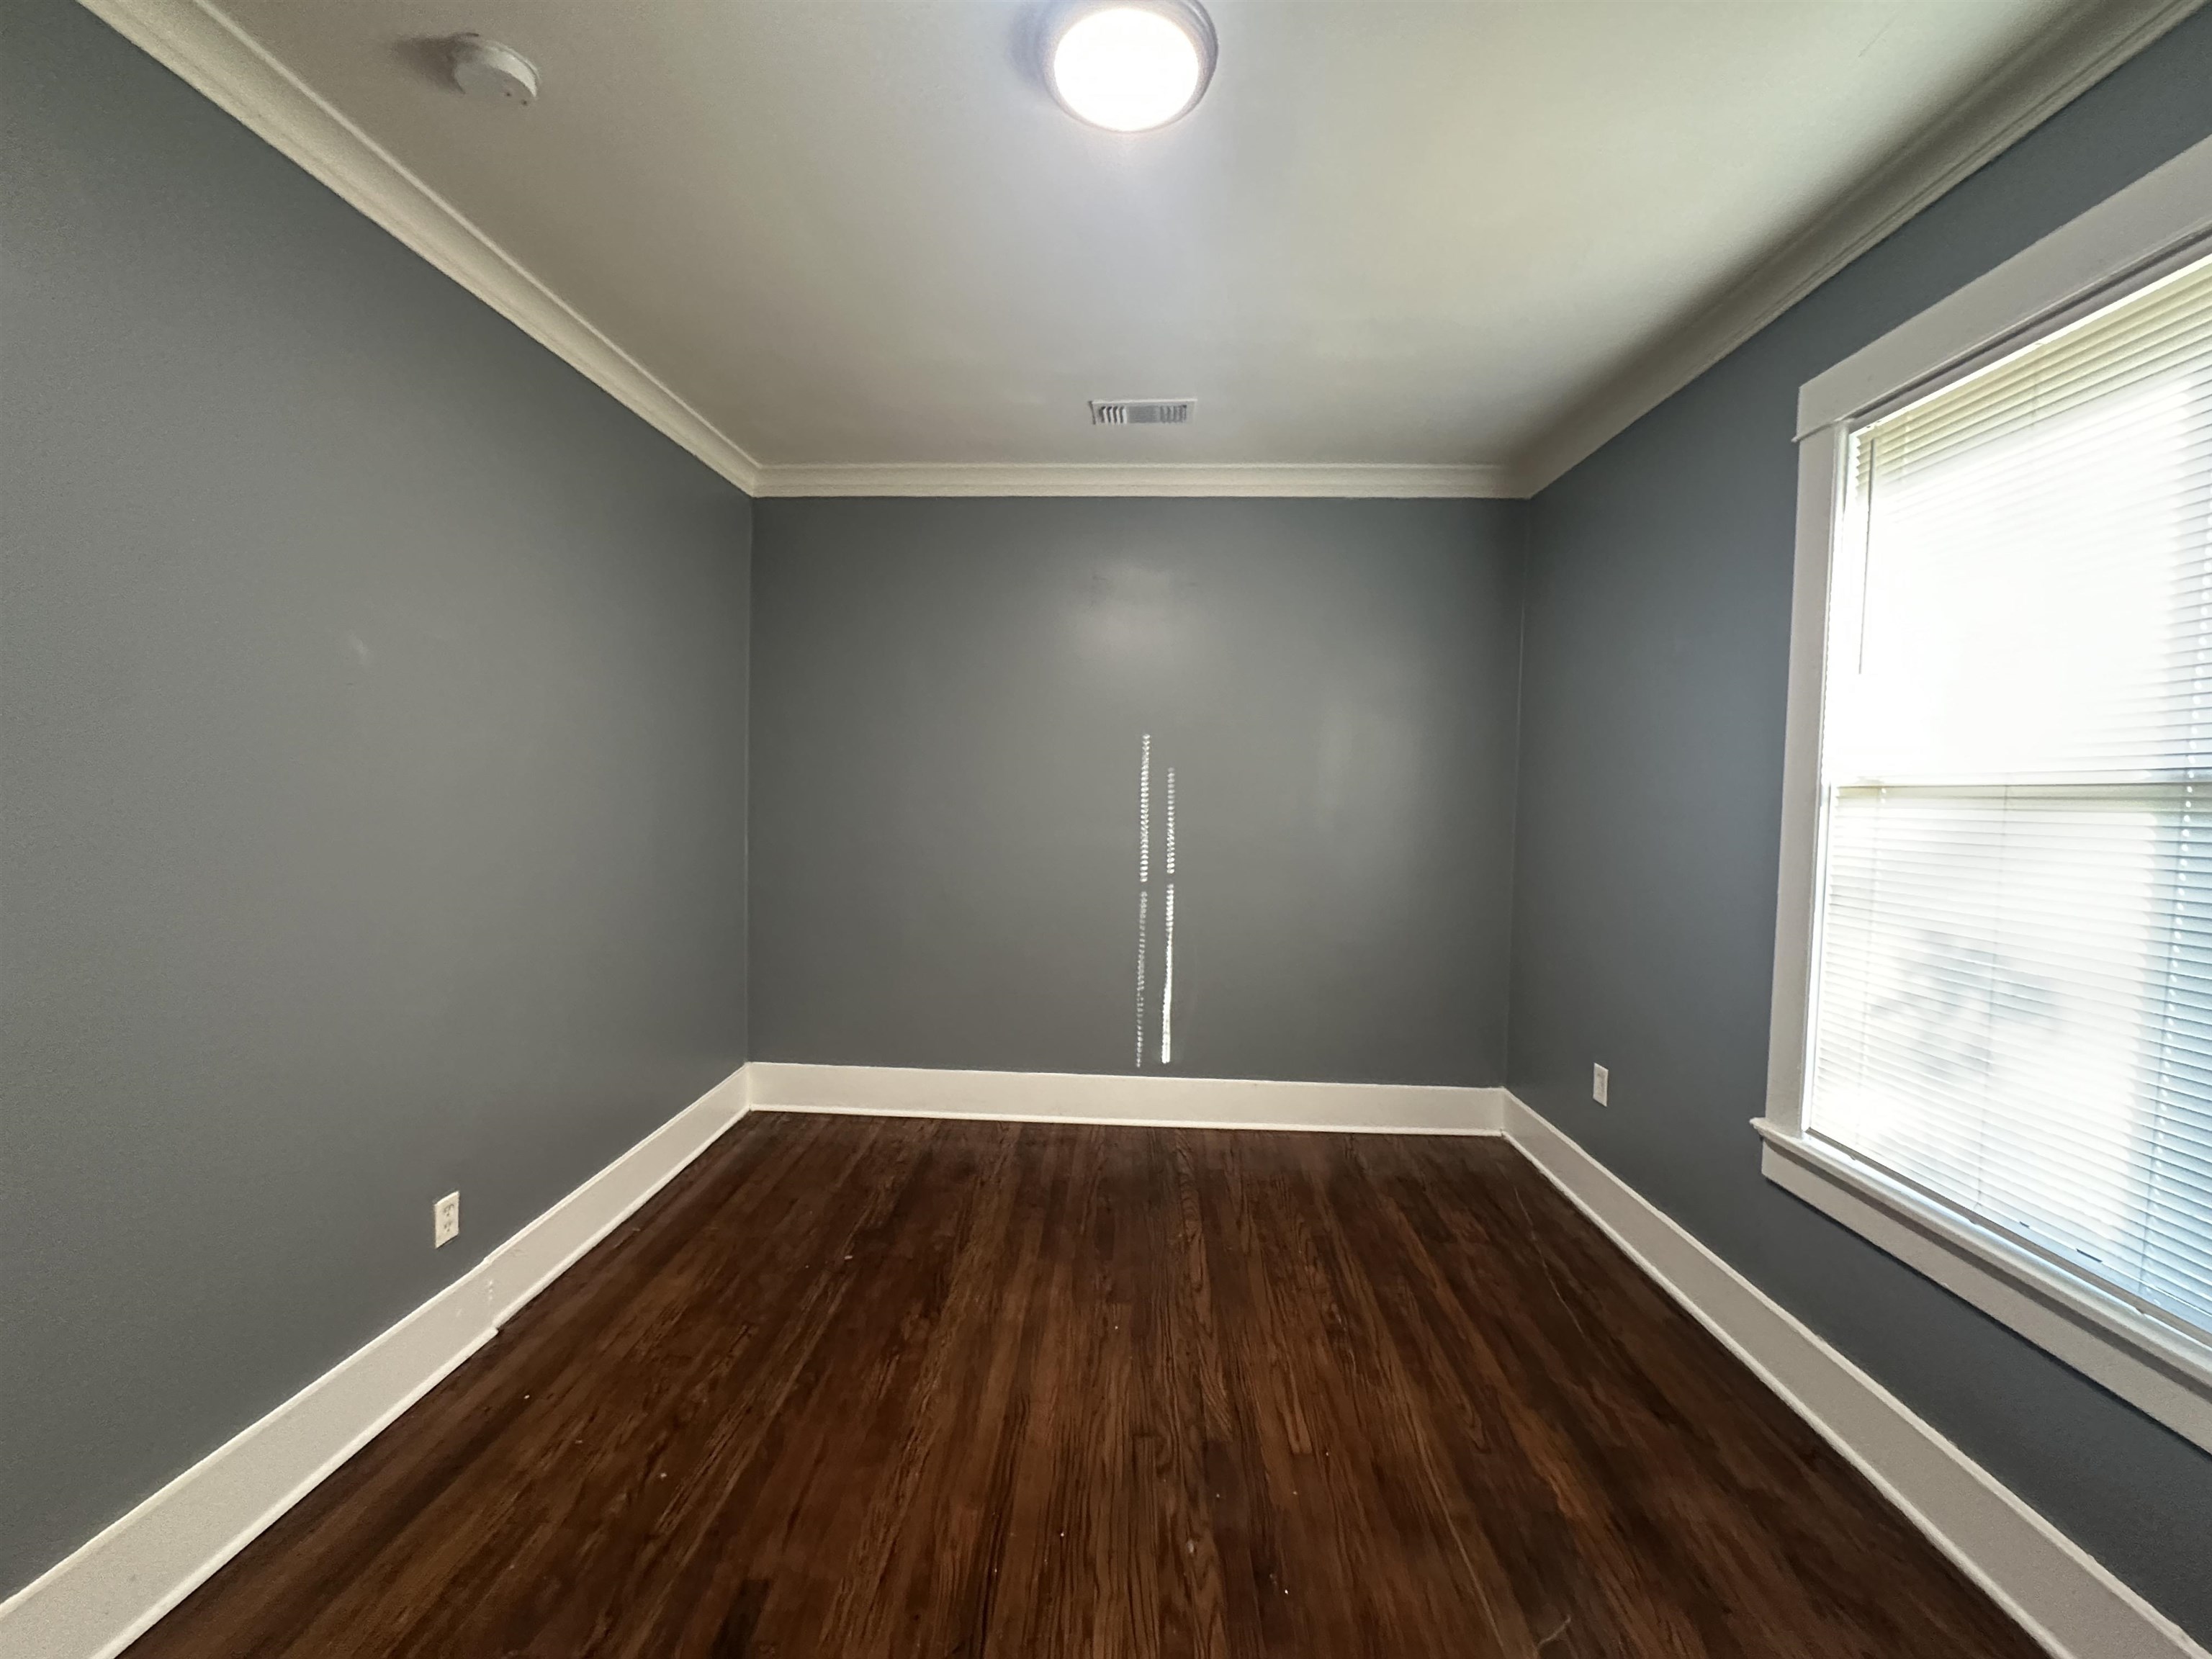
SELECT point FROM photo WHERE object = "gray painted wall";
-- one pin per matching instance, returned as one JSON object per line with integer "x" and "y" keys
{"x": 372, "y": 759}
{"x": 373, "y": 702}
{"x": 1657, "y": 640}
{"x": 949, "y": 697}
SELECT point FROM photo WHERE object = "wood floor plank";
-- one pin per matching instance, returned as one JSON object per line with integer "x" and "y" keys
{"x": 871, "y": 1388}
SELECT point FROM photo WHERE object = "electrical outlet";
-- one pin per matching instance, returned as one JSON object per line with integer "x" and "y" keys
{"x": 446, "y": 1219}
{"x": 1598, "y": 1077}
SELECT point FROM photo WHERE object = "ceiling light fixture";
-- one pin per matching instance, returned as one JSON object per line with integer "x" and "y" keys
{"x": 1129, "y": 65}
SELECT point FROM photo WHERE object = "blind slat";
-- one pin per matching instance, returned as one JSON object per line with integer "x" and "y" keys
{"x": 2014, "y": 992}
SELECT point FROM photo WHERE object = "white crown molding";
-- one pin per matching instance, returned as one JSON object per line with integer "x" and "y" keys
{"x": 219, "y": 60}
{"x": 2130, "y": 238}
{"x": 213, "y": 56}
{"x": 98, "y": 1600}
{"x": 1355, "y": 480}
{"x": 2014, "y": 100}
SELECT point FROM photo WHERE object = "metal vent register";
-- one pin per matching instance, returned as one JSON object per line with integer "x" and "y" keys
{"x": 1141, "y": 411}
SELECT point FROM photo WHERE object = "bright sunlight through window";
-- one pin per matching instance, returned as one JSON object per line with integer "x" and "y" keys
{"x": 2013, "y": 1006}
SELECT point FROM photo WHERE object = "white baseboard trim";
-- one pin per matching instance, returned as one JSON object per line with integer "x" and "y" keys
{"x": 97, "y": 1601}
{"x": 2056, "y": 1591}
{"x": 1149, "y": 1100}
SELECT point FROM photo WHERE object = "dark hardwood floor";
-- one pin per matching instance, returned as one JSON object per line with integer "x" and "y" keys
{"x": 868, "y": 1388}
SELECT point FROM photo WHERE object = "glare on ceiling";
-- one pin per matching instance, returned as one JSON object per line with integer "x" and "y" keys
{"x": 1130, "y": 65}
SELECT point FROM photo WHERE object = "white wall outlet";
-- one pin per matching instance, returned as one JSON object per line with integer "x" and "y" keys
{"x": 1598, "y": 1077}
{"x": 446, "y": 1219}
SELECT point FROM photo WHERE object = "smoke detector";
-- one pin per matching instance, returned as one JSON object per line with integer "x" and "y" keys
{"x": 485, "y": 69}
{"x": 1141, "y": 411}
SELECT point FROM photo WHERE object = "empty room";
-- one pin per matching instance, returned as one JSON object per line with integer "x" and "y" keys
{"x": 1105, "y": 828}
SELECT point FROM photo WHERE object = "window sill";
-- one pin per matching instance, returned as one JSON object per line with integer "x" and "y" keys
{"x": 2158, "y": 1368}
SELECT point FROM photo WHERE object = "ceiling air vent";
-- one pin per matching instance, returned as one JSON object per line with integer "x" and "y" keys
{"x": 1141, "y": 411}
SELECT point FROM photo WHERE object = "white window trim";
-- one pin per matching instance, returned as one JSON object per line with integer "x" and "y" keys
{"x": 2144, "y": 230}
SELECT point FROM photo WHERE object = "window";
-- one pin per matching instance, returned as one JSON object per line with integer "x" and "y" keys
{"x": 2001, "y": 1064}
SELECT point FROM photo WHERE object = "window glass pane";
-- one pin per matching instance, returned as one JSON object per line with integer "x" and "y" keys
{"x": 1979, "y": 1039}
{"x": 2022, "y": 589}
{"x": 2012, "y": 1004}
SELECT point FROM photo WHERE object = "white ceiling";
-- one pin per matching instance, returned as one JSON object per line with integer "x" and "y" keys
{"x": 860, "y": 233}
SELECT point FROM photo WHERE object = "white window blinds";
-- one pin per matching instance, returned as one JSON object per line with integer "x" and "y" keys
{"x": 2013, "y": 1001}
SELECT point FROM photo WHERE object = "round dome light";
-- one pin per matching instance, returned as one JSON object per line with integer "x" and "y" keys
{"x": 1130, "y": 65}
